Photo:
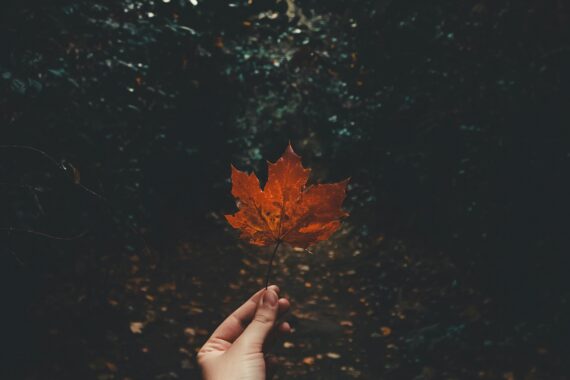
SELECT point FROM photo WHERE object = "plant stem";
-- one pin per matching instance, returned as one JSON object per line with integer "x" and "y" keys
{"x": 271, "y": 263}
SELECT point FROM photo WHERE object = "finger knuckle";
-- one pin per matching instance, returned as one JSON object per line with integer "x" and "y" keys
{"x": 263, "y": 319}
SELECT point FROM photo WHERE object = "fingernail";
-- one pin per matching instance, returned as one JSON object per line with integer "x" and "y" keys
{"x": 270, "y": 297}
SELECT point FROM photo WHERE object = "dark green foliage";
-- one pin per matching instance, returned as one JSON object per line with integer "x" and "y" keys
{"x": 451, "y": 118}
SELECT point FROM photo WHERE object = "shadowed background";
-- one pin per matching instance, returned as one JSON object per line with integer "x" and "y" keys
{"x": 451, "y": 118}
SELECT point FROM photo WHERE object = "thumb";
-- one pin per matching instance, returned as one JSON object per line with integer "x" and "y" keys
{"x": 265, "y": 316}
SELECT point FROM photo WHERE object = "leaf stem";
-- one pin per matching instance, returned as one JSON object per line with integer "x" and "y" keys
{"x": 271, "y": 263}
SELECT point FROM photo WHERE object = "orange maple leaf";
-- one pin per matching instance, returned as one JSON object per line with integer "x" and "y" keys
{"x": 286, "y": 210}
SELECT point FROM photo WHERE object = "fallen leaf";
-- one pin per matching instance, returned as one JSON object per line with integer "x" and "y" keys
{"x": 385, "y": 331}
{"x": 304, "y": 268}
{"x": 309, "y": 360}
{"x": 202, "y": 332}
{"x": 189, "y": 331}
{"x": 509, "y": 376}
{"x": 168, "y": 286}
{"x": 112, "y": 302}
{"x": 136, "y": 327}
{"x": 111, "y": 366}
{"x": 286, "y": 210}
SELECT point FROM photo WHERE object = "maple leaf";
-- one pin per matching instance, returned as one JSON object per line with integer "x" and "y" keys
{"x": 286, "y": 210}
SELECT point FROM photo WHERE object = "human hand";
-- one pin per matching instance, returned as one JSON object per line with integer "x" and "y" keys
{"x": 235, "y": 349}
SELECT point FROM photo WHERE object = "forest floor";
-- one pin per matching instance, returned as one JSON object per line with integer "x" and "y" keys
{"x": 363, "y": 307}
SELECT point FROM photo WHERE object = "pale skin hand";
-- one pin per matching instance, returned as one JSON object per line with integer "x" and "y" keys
{"x": 235, "y": 349}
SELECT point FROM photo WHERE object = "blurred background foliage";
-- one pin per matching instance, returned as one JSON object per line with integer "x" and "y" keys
{"x": 451, "y": 118}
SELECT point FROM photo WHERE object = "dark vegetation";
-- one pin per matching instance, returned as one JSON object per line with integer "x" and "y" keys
{"x": 451, "y": 117}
